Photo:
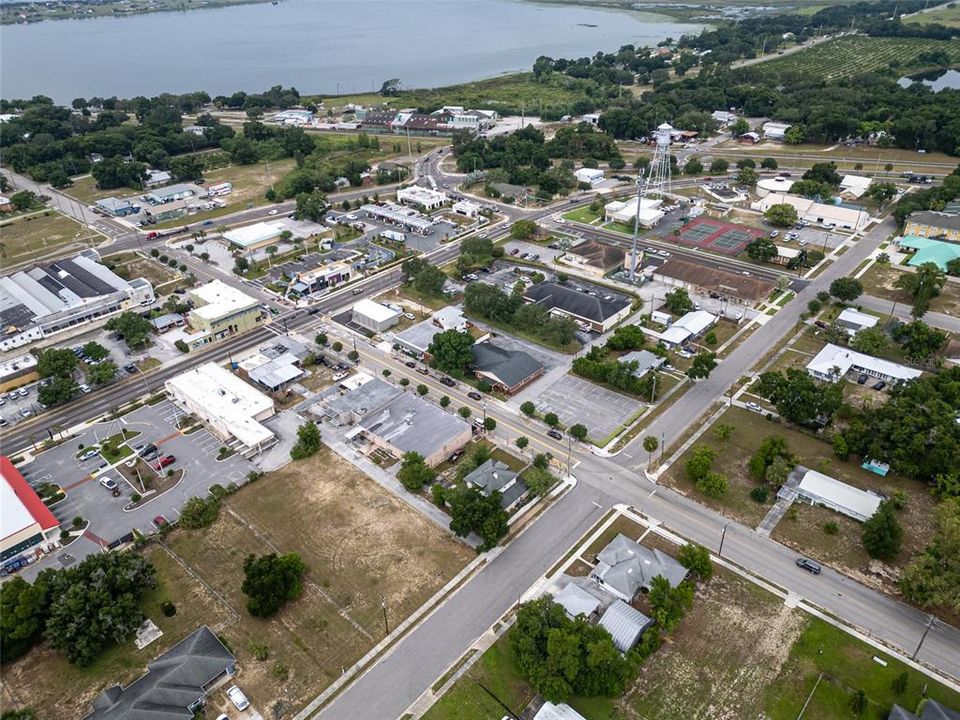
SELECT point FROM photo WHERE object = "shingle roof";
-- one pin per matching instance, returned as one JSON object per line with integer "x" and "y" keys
{"x": 173, "y": 682}
{"x": 511, "y": 367}
{"x": 626, "y": 566}
{"x": 721, "y": 281}
{"x": 592, "y": 307}
{"x": 576, "y": 601}
{"x": 928, "y": 217}
{"x": 491, "y": 476}
{"x": 599, "y": 254}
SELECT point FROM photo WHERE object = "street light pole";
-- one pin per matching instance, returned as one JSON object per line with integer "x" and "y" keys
{"x": 923, "y": 637}
{"x": 386, "y": 625}
{"x": 723, "y": 535}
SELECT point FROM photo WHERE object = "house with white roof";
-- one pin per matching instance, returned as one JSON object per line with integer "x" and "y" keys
{"x": 815, "y": 488}
{"x": 576, "y": 601}
{"x": 691, "y": 325}
{"x": 853, "y": 321}
{"x": 855, "y": 185}
{"x": 775, "y": 131}
{"x": 833, "y": 362}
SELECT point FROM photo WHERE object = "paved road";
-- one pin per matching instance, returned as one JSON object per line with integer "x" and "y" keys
{"x": 902, "y": 311}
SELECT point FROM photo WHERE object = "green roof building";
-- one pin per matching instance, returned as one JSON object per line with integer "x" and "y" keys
{"x": 930, "y": 251}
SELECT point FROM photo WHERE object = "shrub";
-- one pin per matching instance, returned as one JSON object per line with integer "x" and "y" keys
{"x": 831, "y": 527}
{"x": 199, "y": 512}
{"x": 437, "y": 494}
{"x": 522, "y": 442}
{"x": 713, "y": 484}
{"x": 259, "y": 651}
{"x": 168, "y": 608}
{"x": 551, "y": 419}
{"x": 337, "y": 346}
{"x": 528, "y": 408}
{"x": 135, "y": 497}
{"x": 760, "y": 494}
{"x": 484, "y": 386}
{"x": 182, "y": 346}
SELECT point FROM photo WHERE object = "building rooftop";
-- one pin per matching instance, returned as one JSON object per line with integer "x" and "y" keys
{"x": 576, "y": 601}
{"x": 174, "y": 681}
{"x": 229, "y": 399}
{"x": 549, "y": 711}
{"x": 856, "y": 185}
{"x": 932, "y": 710}
{"x": 375, "y": 311}
{"x": 171, "y": 190}
{"x": 511, "y": 367}
{"x": 599, "y": 255}
{"x": 725, "y": 283}
{"x": 936, "y": 219}
{"x": 625, "y": 624}
{"x": 411, "y": 424}
{"x": 17, "y": 364}
{"x": 253, "y": 234}
{"x": 20, "y": 506}
{"x": 417, "y": 338}
{"x": 220, "y": 300}
{"x": 626, "y": 566}
{"x": 421, "y": 195}
{"x": 362, "y": 399}
{"x": 849, "y": 500}
{"x": 645, "y": 360}
{"x": 928, "y": 250}
{"x": 836, "y": 358}
{"x": 597, "y": 308}
{"x": 165, "y": 321}
{"x": 856, "y": 320}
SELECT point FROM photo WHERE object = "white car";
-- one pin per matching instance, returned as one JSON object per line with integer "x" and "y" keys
{"x": 273, "y": 212}
{"x": 238, "y": 698}
{"x": 754, "y": 407}
{"x": 410, "y": 316}
{"x": 340, "y": 375}
{"x": 87, "y": 455}
{"x": 108, "y": 483}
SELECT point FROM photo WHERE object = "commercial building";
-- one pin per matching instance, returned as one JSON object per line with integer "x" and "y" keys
{"x": 355, "y": 397}
{"x": 49, "y": 299}
{"x": 374, "y": 316}
{"x": 117, "y": 207}
{"x": 853, "y": 321}
{"x": 645, "y": 360}
{"x": 837, "y": 216}
{"x": 156, "y": 178}
{"x": 590, "y": 176}
{"x": 253, "y": 237}
{"x": 276, "y": 365}
{"x": 775, "y": 185}
{"x": 625, "y": 625}
{"x": 598, "y": 309}
{"x": 450, "y": 317}
{"x": 18, "y": 371}
{"x": 466, "y": 208}
{"x": 833, "y": 362}
{"x": 410, "y": 424}
{"x": 167, "y": 322}
{"x": 406, "y": 218}
{"x": 172, "y": 193}
{"x": 723, "y": 117}
{"x": 293, "y": 116}
{"x": 741, "y": 289}
{"x": 815, "y": 488}
{"x": 926, "y": 250}
{"x": 624, "y": 567}
{"x": 775, "y": 131}
{"x": 422, "y": 197}
{"x": 509, "y": 371}
{"x": 594, "y": 257}
{"x": 936, "y": 225}
{"x": 626, "y": 212}
{"x": 219, "y": 311}
{"x": 692, "y": 325}
{"x": 495, "y": 476}
{"x": 25, "y": 522}
{"x": 321, "y": 278}
{"x": 176, "y": 684}
{"x": 231, "y": 409}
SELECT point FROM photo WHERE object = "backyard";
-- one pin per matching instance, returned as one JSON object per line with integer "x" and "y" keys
{"x": 361, "y": 547}
{"x": 36, "y": 236}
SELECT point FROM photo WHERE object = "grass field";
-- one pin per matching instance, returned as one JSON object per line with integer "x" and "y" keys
{"x": 949, "y": 16}
{"x": 359, "y": 543}
{"x": 582, "y": 215}
{"x": 86, "y": 191}
{"x": 857, "y": 54}
{"x": 139, "y": 267}
{"x": 803, "y": 528}
{"x": 41, "y": 235}
{"x": 879, "y": 281}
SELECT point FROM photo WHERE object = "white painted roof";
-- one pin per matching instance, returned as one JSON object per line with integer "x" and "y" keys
{"x": 375, "y": 311}
{"x": 696, "y": 321}
{"x": 576, "y": 601}
{"x": 835, "y": 356}
{"x": 856, "y": 185}
{"x": 220, "y": 300}
{"x": 777, "y": 184}
{"x": 855, "y": 317}
{"x": 253, "y": 234}
{"x": 851, "y": 501}
{"x": 549, "y": 711}
{"x": 14, "y": 515}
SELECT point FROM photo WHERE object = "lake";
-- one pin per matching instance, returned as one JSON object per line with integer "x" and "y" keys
{"x": 313, "y": 45}
{"x": 937, "y": 80}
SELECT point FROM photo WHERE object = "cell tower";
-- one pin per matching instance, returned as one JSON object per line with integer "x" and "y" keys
{"x": 655, "y": 186}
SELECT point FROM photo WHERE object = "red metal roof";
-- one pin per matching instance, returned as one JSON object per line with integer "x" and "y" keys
{"x": 26, "y": 495}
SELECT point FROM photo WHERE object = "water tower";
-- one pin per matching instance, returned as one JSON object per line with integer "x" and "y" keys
{"x": 654, "y": 187}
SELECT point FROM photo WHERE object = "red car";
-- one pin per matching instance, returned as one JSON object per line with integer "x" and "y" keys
{"x": 164, "y": 461}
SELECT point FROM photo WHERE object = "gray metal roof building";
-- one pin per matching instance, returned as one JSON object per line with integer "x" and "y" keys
{"x": 509, "y": 370}
{"x": 576, "y": 601}
{"x": 624, "y": 567}
{"x": 349, "y": 407}
{"x": 602, "y": 309}
{"x": 646, "y": 361}
{"x": 494, "y": 476}
{"x": 175, "y": 685}
{"x": 932, "y": 710}
{"x": 625, "y": 624}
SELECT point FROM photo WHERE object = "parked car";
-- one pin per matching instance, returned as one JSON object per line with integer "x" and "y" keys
{"x": 130, "y": 368}
{"x": 3, "y": 422}
{"x": 774, "y": 233}
{"x": 410, "y": 316}
{"x": 454, "y": 456}
{"x": 879, "y": 385}
{"x": 24, "y": 412}
{"x": 147, "y": 449}
{"x": 410, "y": 364}
{"x": 515, "y": 251}
{"x": 754, "y": 407}
{"x": 23, "y": 392}
{"x": 473, "y": 395}
{"x": 87, "y": 454}
{"x": 862, "y": 379}
{"x": 447, "y": 381}
{"x": 273, "y": 212}
{"x": 337, "y": 377}
{"x": 108, "y": 483}
{"x": 809, "y": 565}
{"x": 555, "y": 434}
{"x": 164, "y": 461}
{"x": 85, "y": 389}
{"x": 423, "y": 371}
{"x": 238, "y": 698}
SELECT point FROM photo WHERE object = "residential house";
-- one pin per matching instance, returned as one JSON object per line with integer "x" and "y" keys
{"x": 167, "y": 322}
{"x": 509, "y": 371}
{"x": 495, "y": 476}
{"x": 599, "y": 309}
{"x": 576, "y": 601}
{"x": 176, "y": 684}
{"x": 692, "y": 325}
{"x": 723, "y": 117}
{"x": 931, "y": 710}
{"x": 590, "y": 176}
{"x": 624, "y": 567}
{"x": 855, "y": 186}
{"x": 625, "y": 624}
{"x": 156, "y": 178}
{"x": 853, "y": 321}
{"x": 815, "y": 488}
{"x": 775, "y": 131}
{"x": 450, "y": 317}
{"x": 749, "y": 138}
{"x": 833, "y": 362}
{"x": 646, "y": 361}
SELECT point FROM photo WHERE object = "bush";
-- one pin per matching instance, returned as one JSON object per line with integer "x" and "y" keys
{"x": 528, "y": 408}
{"x": 522, "y": 442}
{"x": 168, "y": 608}
{"x": 551, "y": 419}
{"x": 713, "y": 484}
{"x": 437, "y": 494}
{"x": 135, "y": 497}
{"x": 337, "y": 346}
{"x": 696, "y": 559}
{"x": 484, "y": 386}
{"x": 831, "y": 527}
{"x": 182, "y": 346}
{"x": 259, "y": 651}
{"x": 760, "y": 494}
{"x": 308, "y": 441}
{"x": 199, "y": 512}
{"x": 270, "y": 581}
{"x": 321, "y": 339}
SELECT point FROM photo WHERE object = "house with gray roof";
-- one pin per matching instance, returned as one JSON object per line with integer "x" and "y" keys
{"x": 509, "y": 371}
{"x": 931, "y": 710}
{"x": 176, "y": 683}
{"x": 593, "y": 305}
{"x": 494, "y": 476}
{"x": 625, "y": 624}
{"x": 645, "y": 360}
{"x": 624, "y": 567}
{"x": 576, "y": 601}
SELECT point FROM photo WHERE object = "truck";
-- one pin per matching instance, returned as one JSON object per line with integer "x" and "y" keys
{"x": 394, "y": 235}
{"x": 223, "y": 188}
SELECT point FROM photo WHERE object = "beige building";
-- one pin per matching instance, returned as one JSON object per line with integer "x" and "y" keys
{"x": 220, "y": 310}
{"x": 933, "y": 225}
{"x": 18, "y": 371}
{"x": 839, "y": 217}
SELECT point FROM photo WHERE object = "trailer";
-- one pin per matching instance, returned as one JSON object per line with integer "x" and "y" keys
{"x": 394, "y": 235}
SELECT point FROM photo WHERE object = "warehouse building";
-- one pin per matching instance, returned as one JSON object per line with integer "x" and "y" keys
{"x": 625, "y": 212}
{"x": 844, "y": 217}
{"x": 815, "y": 488}
{"x": 230, "y": 408}
{"x": 25, "y": 522}
{"x": 172, "y": 193}
{"x": 589, "y": 176}
{"x": 373, "y": 316}
{"x": 253, "y": 237}
{"x": 734, "y": 287}
{"x": 48, "y": 299}
{"x": 410, "y": 424}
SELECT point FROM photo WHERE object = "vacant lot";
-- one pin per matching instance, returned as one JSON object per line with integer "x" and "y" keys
{"x": 948, "y": 15}
{"x": 136, "y": 266}
{"x": 879, "y": 281}
{"x": 37, "y": 236}
{"x": 86, "y": 191}
{"x": 362, "y": 547}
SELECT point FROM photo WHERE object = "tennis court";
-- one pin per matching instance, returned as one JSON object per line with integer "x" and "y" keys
{"x": 719, "y": 236}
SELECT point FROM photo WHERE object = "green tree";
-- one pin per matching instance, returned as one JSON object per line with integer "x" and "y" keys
{"x": 422, "y": 389}
{"x": 738, "y": 127}
{"x": 270, "y": 581}
{"x": 23, "y": 611}
{"x": 713, "y": 484}
{"x": 523, "y": 229}
{"x": 763, "y": 249}
{"x": 769, "y": 163}
{"x": 522, "y": 442}
{"x": 669, "y": 605}
{"x": 922, "y": 286}
{"x": 698, "y": 465}
{"x": 840, "y": 448}
{"x": 693, "y": 167}
{"x": 308, "y": 441}
{"x": 703, "y": 364}
{"x": 872, "y": 341}
{"x": 650, "y": 443}
{"x": 528, "y": 408}
{"x": 321, "y": 339}
{"x": 696, "y": 559}
{"x": 778, "y": 470}
{"x": 131, "y": 327}
{"x": 199, "y": 512}
{"x": 846, "y": 289}
{"x": 747, "y": 176}
{"x": 770, "y": 449}
{"x": 56, "y": 363}
{"x": 782, "y": 215}
{"x": 95, "y": 351}
{"x": 933, "y": 578}
{"x": 882, "y": 534}
{"x": 445, "y": 401}
{"x": 627, "y": 337}
{"x": 719, "y": 166}
{"x": 489, "y": 424}
{"x": 881, "y": 191}
{"x": 723, "y": 431}
{"x": 798, "y": 397}
{"x": 414, "y": 472}
{"x": 473, "y": 512}
{"x": 919, "y": 341}
{"x": 678, "y": 301}
{"x": 551, "y": 419}
{"x": 452, "y": 352}
{"x": 464, "y": 412}
{"x": 579, "y": 431}
{"x": 953, "y": 267}
{"x": 59, "y": 390}
{"x": 102, "y": 373}
{"x": 23, "y": 200}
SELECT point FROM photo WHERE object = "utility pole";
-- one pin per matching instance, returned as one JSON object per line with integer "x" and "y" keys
{"x": 723, "y": 535}
{"x": 923, "y": 637}
{"x": 383, "y": 606}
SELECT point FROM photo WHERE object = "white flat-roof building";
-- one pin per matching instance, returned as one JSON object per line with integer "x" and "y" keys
{"x": 220, "y": 300}
{"x": 25, "y": 521}
{"x": 853, "y": 321}
{"x": 251, "y": 237}
{"x": 839, "y": 216}
{"x": 818, "y": 489}
{"x": 855, "y": 185}
{"x": 373, "y": 316}
{"x": 18, "y": 371}
{"x": 421, "y": 196}
{"x": 723, "y": 117}
{"x": 403, "y": 217}
{"x": 691, "y": 325}
{"x": 590, "y": 176}
{"x": 466, "y": 208}
{"x": 625, "y": 212}
{"x": 834, "y": 362}
{"x": 775, "y": 131}
{"x": 231, "y": 408}
{"x": 777, "y": 184}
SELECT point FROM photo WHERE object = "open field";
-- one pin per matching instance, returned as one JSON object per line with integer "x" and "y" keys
{"x": 948, "y": 15}
{"x": 857, "y": 54}
{"x": 41, "y": 235}
{"x": 582, "y": 214}
{"x": 85, "y": 190}
{"x": 803, "y": 527}
{"x": 359, "y": 543}
{"x": 879, "y": 281}
{"x": 140, "y": 267}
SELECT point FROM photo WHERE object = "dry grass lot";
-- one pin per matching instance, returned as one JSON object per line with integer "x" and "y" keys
{"x": 947, "y": 15}
{"x": 140, "y": 267}
{"x": 879, "y": 281}
{"x": 86, "y": 191}
{"x": 41, "y": 235}
{"x": 360, "y": 545}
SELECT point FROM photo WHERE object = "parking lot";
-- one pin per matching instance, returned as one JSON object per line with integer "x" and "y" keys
{"x": 195, "y": 453}
{"x": 441, "y": 231}
{"x": 575, "y": 400}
